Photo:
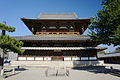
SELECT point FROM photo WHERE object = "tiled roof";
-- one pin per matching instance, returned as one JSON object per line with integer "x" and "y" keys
{"x": 109, "y": 55}
{"x": 62, "y": 48}
{"x": 57, "y": 16}
{"x": 53, "y": 37}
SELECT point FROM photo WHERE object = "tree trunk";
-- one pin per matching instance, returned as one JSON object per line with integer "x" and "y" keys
{"x": 1, "y": 59}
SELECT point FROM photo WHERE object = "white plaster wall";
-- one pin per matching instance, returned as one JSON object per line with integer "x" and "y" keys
{"x": 67, "y": 58}
{"x": 75, "y": 58}
{"x": 21, "y": 58}
{"x": 39, "y": 58}
{"x": 30, "y": 58}
{"x": 47, "y": 58}
{"x": 84, "y": 58}
{"x": 92, "y": 58}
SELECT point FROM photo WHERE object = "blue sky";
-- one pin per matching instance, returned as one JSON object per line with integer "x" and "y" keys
{"x": 12, "y": 10}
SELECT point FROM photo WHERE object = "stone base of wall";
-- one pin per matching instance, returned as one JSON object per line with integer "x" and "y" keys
{"x": 56, "y": 63}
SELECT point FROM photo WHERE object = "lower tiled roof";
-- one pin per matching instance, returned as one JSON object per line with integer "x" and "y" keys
{"x": 53, "y": 37}
{"x": 63, "y": 48}
{"x": 110, "y": 55}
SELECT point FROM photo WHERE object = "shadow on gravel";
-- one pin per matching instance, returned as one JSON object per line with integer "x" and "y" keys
{"x": 99, "y": 69}
{"x": 12, "y": 74}
{"x": 20, "y": 69}
{"x": 9, "y": 72}
{"x": 16, "y": 69}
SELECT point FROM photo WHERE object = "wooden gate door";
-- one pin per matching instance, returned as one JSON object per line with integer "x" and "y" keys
{"x": 57, "y": 58}
{"x": 58, "y": 55}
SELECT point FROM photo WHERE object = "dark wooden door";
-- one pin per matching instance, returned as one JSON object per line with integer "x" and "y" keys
{"x": 57, "y": 58}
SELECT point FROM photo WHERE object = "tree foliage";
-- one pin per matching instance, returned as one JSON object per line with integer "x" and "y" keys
{"x": 106, "y": 25}
{"x": 9, "y": 43}
{"x": 117, "y": 49}
{"x": 102, "y": 52}
{"x": 7, "y": 28}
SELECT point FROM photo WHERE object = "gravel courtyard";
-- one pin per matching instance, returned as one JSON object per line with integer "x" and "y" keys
{"x": 87, "y": 73}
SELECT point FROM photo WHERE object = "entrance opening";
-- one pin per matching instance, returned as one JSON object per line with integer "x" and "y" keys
{"x": 58, "y": 55}
{"x": 57, "y": 58}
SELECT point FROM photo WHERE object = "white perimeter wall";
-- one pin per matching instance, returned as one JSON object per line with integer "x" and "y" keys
{"x": 50, "y": 59}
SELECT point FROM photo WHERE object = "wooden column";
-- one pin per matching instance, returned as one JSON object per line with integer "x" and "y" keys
{"x": 32, "y": 30}
{"x": 57, "y": 26}
{"x": 83, "y": 28}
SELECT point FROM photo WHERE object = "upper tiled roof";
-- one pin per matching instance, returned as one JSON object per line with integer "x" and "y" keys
{"x": 53, "y": 37}
{"x": 57, "y": 16}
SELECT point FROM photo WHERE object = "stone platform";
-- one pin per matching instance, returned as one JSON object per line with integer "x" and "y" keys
{"x": 56, "y": 63}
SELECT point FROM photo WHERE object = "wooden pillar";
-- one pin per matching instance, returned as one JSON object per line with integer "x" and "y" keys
{"x": 46, "y": 27}
{"x": 57, "y": 28}
{"x": 83, "y": 28}
{"x": 32, "y": 30}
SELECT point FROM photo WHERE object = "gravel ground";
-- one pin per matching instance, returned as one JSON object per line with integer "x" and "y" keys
{"x": 86, "y": 73}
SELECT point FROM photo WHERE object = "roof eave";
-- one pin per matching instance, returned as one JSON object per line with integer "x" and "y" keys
{"x": 23, "y": 18}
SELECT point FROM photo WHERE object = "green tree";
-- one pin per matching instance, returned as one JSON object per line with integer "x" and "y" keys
{"x": 117, "y": 49}
{"x": 105, "y": 27}
{"x": 102, "y": 52}
{"x": 8, "y": 43}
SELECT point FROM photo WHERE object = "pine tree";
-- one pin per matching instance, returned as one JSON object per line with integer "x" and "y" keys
{"x": 8, "y": 43}
{"x": 117, "y": 49}
{"x": 105, "y": 27}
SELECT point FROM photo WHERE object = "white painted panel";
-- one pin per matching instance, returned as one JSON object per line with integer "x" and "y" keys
{"x": 39, "y": 58}
{"x": 67, "y": 58}
{"x": 30, "y": 58}
{"x": 92, "y": 58}
{"x": 75, "y": 58}
{"x": 84, "y": 58}
{"x": 21, "y": 58}
{"x": 47, "y": 58}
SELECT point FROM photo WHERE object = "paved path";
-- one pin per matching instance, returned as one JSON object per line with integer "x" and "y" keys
{"x": 88, "y": 73}
{"x": 39, "y": 74}
{"x": 115, "y": 66}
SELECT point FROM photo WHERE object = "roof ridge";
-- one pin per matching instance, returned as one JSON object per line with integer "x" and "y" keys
{"x": 57, "y": 16}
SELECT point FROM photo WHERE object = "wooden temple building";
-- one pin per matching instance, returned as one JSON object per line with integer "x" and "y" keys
{"x": 58, "y": 37}
{"x": 110, "y": 58}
